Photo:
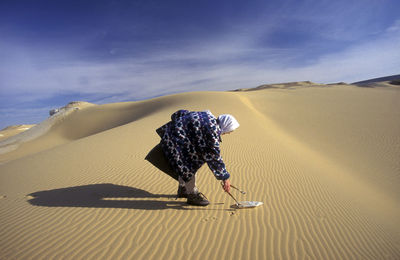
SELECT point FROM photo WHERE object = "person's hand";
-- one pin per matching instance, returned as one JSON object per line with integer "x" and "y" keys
{"x": 226, "y": 185}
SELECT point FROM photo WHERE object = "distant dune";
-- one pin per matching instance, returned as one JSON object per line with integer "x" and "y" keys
{"x": 324, "y": 159}
{"x": 13, "y": 130}
{"x": 394, "y": 78}
{"x": 13, "y": 136}
{"x": 289, "y": 85}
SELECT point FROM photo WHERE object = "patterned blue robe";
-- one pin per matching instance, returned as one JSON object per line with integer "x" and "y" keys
{"x": 191, "y": 139}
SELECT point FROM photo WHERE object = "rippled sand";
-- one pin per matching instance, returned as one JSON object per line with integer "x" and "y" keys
{"x": 324, "y": 159}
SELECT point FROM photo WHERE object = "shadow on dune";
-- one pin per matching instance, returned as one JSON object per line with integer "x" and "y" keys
{"x": 104, "y": 196}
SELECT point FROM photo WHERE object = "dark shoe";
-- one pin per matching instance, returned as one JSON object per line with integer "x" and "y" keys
{"x": 198, "y": 199}
{"x": 182, "y": 193}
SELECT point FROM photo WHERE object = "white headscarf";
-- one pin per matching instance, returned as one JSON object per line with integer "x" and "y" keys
{"x": 227, "y": 123}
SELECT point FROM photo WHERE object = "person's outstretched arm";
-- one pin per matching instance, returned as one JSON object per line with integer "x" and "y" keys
{"x": 214, "y": 161}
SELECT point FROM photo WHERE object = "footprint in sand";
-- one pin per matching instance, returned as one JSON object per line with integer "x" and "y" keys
{"x": 209, "y": 219}
{"x": 3, "y": 196}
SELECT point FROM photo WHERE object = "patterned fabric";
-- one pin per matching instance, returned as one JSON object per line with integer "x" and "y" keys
{"x": 191, "y": 139}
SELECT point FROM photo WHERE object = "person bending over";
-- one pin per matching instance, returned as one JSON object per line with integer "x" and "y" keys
{"x": 191, "y": 139}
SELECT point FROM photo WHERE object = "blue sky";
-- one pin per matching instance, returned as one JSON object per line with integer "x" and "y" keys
{"x": 53, "y": 52}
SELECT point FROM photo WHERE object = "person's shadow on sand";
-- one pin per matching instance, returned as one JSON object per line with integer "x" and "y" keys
{"x": 104, "y": 196}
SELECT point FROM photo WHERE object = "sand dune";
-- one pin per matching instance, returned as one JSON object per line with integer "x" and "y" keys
{"x": 18, "y": 135}
{"x": 323, "y": 159}
{"x": 13, "y": 130}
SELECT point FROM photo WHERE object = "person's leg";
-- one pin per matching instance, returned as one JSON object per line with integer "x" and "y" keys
{"x": 181, "y": 181}
{"x": 194, "y": 197}
{"x": 186, "y": 188}
{"x": 182, "y": 193}
{"x": 191, "y": 186}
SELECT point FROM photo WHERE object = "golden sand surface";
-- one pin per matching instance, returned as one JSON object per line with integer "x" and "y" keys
{"x": 13, "y": 130}
{"x": 324, "y": 159}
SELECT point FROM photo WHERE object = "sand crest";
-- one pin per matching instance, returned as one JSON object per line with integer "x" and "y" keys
{"x": 322, "y": 158}
{"x": 13, "y": 130}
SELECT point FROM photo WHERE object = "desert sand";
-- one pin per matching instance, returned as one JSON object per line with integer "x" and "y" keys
{"x": 324, "y": 159}
{"x": 13, "y": 130}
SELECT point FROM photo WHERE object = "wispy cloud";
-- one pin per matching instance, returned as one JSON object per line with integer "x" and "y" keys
{"x": 241, "y": 57}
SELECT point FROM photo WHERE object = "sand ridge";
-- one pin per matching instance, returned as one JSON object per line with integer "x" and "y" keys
{"x": 13, "y": 130}
{"x": 18, "y": 135}
{"x": 304, "y": 152}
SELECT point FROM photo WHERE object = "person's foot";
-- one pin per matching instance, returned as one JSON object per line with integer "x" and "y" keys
{"x": 197, "y": 199}
{"x": 182, "y": 193}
